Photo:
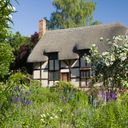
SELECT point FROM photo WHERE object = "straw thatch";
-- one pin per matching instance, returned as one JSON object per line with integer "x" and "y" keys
{"x": 64, "y": 41}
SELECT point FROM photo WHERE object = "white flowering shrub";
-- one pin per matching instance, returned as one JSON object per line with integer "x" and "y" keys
{"x": 111, "y": 66}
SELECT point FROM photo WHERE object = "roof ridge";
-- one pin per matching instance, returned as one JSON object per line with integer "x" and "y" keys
{"x": 83, "y": 27}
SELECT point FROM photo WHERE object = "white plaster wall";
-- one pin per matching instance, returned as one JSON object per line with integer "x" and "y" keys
{"x": 56, "y": 64}
{"x": 36, "y": 74}
{"x": 51, "y": 64}
{"x": 44, "y": 65}
{"x": 36, "y": 65}
{"x": 44, "y": 74}
{"x": 83, "y": 83}
{"x": 75, "y": 64}
{"x": 75, "y": 72}
{"x": 64, "y": 70}
{"x": 63, "y": 65}
{"x": 44, "y": 83}
{"x": 75, "y": 82}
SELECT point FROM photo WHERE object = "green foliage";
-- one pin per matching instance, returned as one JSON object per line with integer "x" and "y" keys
{"x": 6, "y": 55}
{"x": 46, "y": 109}
{"x": 16, "y": 40}
{"x": 6, "y": 58}
{"x": 71, "y": 13}
{"x": 64, "y": 84}
{"x": 17, "y": 78}
{"x": 111, "y": 66}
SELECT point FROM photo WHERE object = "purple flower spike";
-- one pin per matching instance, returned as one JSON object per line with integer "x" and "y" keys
{"x": 72, "y": 94}
{"x": 94, "y": 103}
{"x": 26, "y": 102}
{"x": 69, "y": 98}
{"x": 30, "y": 90}
{"x": 21, "y": 93}
{"x": 115, "y": 89}
{"x": 62, "y": 97}
{"x": 26, "y": 93}
{"x": 16, "y": 87}
{"x": 97, "y": 93}
{"x": 21, "y": 100}
{"x": 29, "y": 102}
{"x": 21, "y": 87}
{"x": 17, "y": 98}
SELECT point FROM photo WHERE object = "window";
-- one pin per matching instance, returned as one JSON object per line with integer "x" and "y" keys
{"x": 54, "y": 75}
{"x": 86, "y": 74}
{"x": 53, "y": 56}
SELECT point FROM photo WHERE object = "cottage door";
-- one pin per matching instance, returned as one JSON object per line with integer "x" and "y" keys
{"x": 64, "y": 77}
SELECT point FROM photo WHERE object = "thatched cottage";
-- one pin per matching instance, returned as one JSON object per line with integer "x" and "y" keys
{"x": 58, "y": 56}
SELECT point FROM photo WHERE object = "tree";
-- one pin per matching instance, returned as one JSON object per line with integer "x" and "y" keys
{"x": 16, "y": 40}
{"x": 111, "y": 66}
{"x": 22, "y": 54}
{"x": 71, "y": 13}
{"x": 6, "y": 54}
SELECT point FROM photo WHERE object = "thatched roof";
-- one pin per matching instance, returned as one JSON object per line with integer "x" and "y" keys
{"x": 64, "y": 41}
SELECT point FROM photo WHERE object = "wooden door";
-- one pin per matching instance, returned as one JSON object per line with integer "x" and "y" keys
{"x": 64, "y": 77}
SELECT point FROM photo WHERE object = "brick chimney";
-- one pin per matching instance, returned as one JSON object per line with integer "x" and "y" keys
{"x": 42, "y": 27}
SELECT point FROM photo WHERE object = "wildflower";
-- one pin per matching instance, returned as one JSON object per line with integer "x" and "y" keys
{"x": 43, "y": 115}
{"x": 56, "y": 117}
{"x": 30, "y": 90}
{"x": 17, "y": 98}
{"x": 16, "y": 87}
{"x": 64, "y": 101}
{"x": 21, "y": 100}
{"x": 29, "y": 102}
{"x": 42, "y": 120}
{"x": 72, "y": 94}
{"x": 26, "y": 102}
{"x": 26, "y": 93}
{"x": 62, "y": 97}
{"x": 21, "y": 87}
{"x": 69, "y": 98}
{"x": 94, "y": 103}
{"x": 21, "y": 93}
{"x": 51, "y": 118}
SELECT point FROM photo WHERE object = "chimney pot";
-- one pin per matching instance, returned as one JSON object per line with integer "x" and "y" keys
{"x": 42, "y": 27}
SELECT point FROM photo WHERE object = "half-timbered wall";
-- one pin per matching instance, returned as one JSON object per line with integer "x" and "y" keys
{"x": 48, "y": 73}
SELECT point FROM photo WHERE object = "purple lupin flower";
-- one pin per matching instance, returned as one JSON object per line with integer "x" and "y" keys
{"x": 17, "y": 98}
{"x": 69, "y": 98}
{"x": 94, "y": 103}
{"x": 16, "y": 87}
{"x": 64, "y": 101}
{"x": 26, "y": 93}
{"x": 29, "y": 102}
{"x": 62, "y": 97}
{"x": 115, "y": 89}
{"x": 26, "y": 102}
{"x": 72, "y": 94}
{"x": 21, "y": 100}
{"x": 21, "y": 93}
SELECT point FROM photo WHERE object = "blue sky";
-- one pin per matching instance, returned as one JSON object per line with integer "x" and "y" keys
{"x": 29, "y": 12}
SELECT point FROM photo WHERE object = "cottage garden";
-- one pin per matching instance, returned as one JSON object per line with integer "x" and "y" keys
{"x": 24, "y": 104}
